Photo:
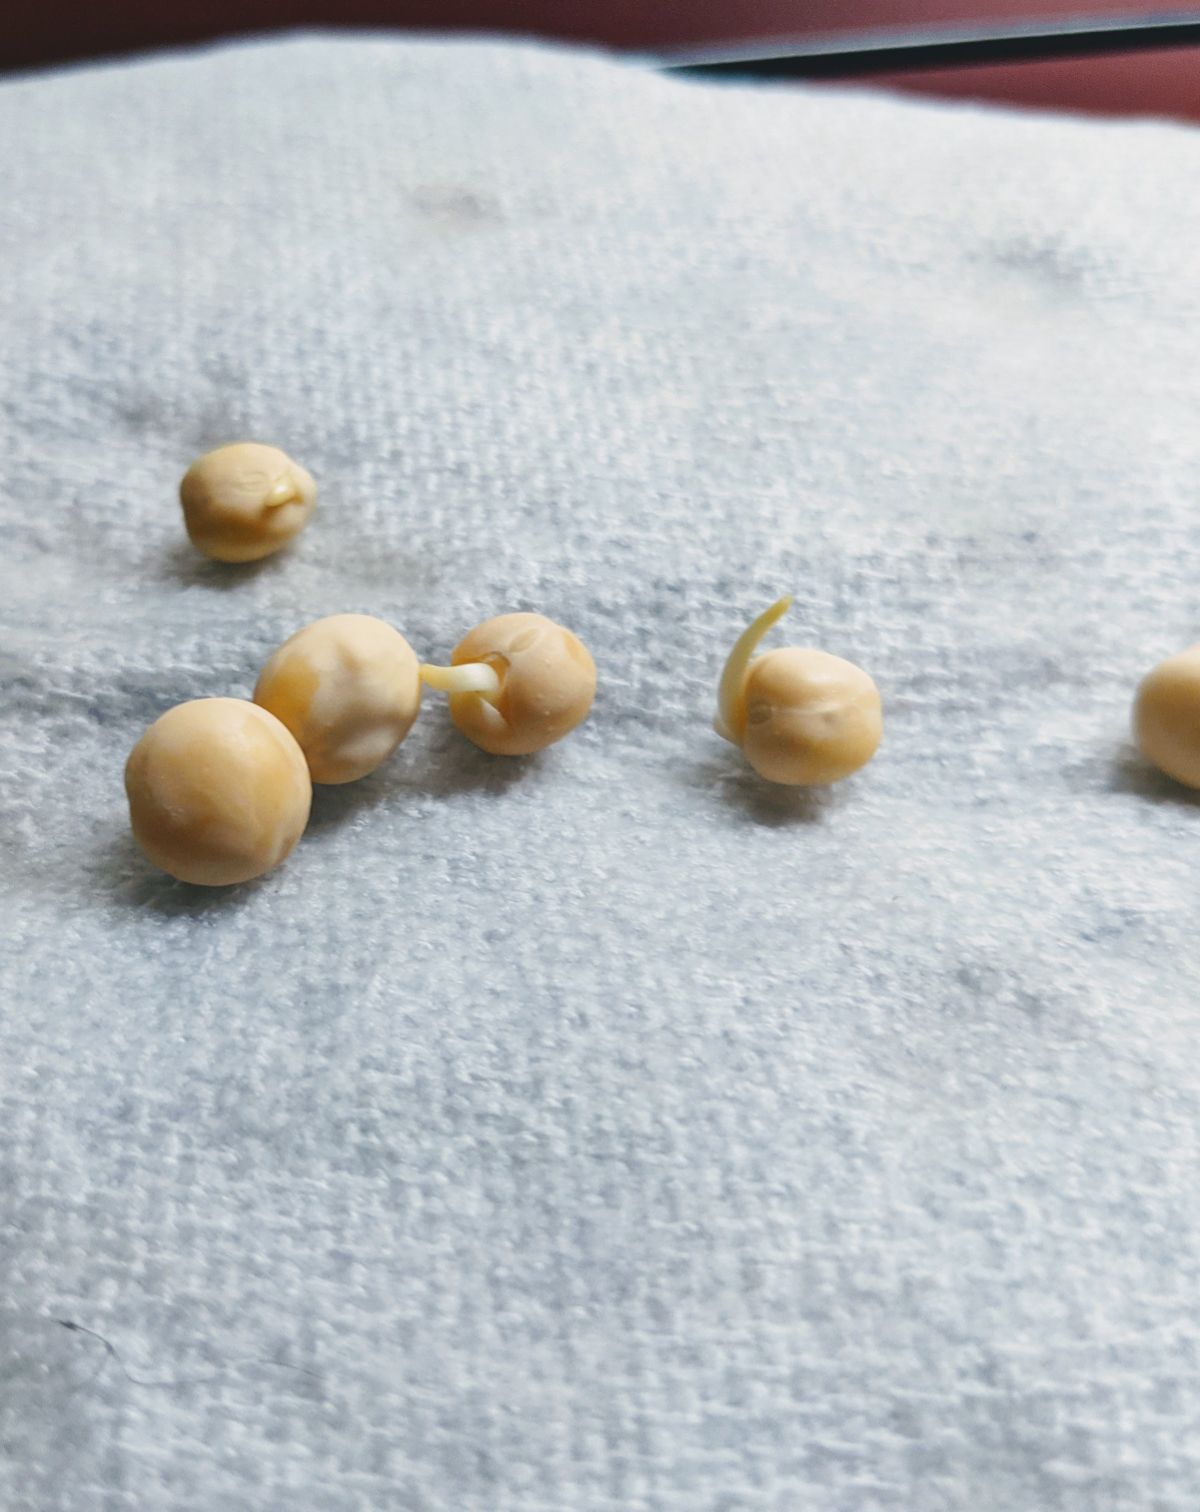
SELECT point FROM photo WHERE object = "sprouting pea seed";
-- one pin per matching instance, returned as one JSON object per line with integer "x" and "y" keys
{"x": 801, "y": 716}
{"x": 517, "y": 683}
{"x": 244, "y": 501}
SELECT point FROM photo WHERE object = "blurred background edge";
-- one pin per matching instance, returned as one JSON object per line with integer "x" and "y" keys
{"x": 1159, "y": 81}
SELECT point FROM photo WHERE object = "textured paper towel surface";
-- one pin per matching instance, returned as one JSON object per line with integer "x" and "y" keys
{"x": 602, "y": 1133}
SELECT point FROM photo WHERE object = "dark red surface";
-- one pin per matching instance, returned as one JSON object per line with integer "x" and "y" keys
{"x": 55, "y": 31}
{"x": 1154, "y": 83}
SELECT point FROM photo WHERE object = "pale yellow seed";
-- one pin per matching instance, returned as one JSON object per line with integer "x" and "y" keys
{"x": 801, "y": 716}
{"x": 244, "y": 501}
{"x": 348, "y": 687}
{"x": 810, "y": 717}
{"x": 1166, "y": 716}
{"x": 517, "y": 683}
{"x": 218, "y": 791}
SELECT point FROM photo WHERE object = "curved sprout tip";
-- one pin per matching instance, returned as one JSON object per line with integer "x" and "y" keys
{"x": 730, "y": 713}
{"x": 283, "y": 491}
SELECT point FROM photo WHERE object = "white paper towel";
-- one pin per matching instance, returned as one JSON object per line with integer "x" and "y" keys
{"x": 607, "y": 1132}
